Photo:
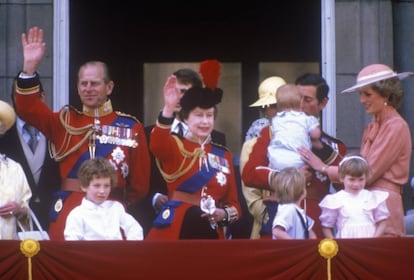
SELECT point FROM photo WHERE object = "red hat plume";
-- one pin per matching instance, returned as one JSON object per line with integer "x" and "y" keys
{"x": 210, "y": 71}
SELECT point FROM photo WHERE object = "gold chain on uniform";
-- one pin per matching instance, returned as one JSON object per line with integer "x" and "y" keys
{"x": 169, "y": 178}
{"x": 65, "y": 150}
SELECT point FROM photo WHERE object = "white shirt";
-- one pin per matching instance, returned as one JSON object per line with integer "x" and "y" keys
{"x": 287, "y": 218}
{"x": 174, "y": 126}
{"x": 90, "y": 221}
{"x": 290, "y": 130}
{"x": 26, "y": 136}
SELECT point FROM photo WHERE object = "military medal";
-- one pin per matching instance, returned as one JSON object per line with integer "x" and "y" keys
{"x": 219, "y": 163}
{"x": 117, "y": 135}
{"x": 221, "y": 178}
{"x": 118, "y": 155}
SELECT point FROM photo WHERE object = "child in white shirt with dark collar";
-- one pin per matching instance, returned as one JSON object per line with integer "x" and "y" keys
{"x": 291, "y": 221}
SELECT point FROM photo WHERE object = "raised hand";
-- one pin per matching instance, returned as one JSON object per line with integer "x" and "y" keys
{"x": 34, "y": 49}
{"x": 172, "y": 97}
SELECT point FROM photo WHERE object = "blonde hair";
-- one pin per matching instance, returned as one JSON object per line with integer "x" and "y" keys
{"x": 288, "y": 185}
{"x": 288, "y": 97}
{"x": 354, "y": 165}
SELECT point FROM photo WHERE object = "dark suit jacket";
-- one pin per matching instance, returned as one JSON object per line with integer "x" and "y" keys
{"x": 49, "y": 180}
{"x": 145, "y": 211}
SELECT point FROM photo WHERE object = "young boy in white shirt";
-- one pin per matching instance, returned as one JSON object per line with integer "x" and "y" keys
{"x": 99, "y": 218}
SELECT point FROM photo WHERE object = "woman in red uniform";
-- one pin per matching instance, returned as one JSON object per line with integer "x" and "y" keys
{"x": 199, "y": 174}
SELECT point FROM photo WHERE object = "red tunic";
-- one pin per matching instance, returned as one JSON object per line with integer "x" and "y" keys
{"x": 254, "y": 175}
{"x": 132, "y": 163}
{"x": 221, "y": 186}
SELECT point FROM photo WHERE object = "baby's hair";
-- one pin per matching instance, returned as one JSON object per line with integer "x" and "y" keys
{"x": 288, "y": 97}
{"x": 96, "y": 168}
{"x": 288, "y": 185}
{"x": 354, "y": 165}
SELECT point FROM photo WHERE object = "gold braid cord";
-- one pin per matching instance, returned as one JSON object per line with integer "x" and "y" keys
{"x": 169, "y": 178}
{"x": 65, "y": 150}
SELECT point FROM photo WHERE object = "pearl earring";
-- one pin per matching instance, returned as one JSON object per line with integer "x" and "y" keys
{"x": 385, "y": 103}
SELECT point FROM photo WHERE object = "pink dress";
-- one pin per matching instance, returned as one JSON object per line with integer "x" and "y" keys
{"x": 354, "y": 215}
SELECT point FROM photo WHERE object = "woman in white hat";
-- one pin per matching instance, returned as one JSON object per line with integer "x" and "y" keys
{"x": 267, "y": 103}
{"x": 386, "y": 142}
{"x": 15, "y": 192}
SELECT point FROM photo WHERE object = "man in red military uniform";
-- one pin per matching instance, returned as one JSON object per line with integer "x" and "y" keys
{"x": 314, "y": 97}
{"x": 97, "y": 131}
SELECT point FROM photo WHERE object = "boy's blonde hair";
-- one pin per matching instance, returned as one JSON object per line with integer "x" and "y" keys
{"x": 96, "y": 168}
{"x": 288, "y": 185}
{"x": 354, "y": 165}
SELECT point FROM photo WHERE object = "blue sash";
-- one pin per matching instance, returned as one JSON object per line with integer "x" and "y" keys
{"x": 199, "y": 179}
{"x": 102, "y": 150}
{"x": 191, "y": 185}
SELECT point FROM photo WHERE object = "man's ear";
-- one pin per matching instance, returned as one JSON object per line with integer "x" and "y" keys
{"x": 323, "y": 103}
{"x": 110, "y": 87}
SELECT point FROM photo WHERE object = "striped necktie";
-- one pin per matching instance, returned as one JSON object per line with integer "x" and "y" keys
{"x": 33, "y": 141}
{"x": 180, "y": 131}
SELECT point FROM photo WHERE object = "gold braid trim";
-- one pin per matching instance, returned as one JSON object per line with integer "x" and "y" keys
{"x": 26, "y": 91}
{"x": 64, "y": 150}
{"x": 169, "y": 178}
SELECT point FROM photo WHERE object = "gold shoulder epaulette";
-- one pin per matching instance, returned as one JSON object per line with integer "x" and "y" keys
{"x": 126, "y": 115}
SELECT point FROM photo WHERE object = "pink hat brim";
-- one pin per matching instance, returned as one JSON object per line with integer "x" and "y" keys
{"x": 370, "y": 79}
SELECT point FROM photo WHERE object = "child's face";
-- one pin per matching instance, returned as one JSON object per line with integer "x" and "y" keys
{"x": 354, "y": 184}
{"x": 98, "y": 189}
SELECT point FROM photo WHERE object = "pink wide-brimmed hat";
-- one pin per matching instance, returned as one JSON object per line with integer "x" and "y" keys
{"x": 374, "y": 73}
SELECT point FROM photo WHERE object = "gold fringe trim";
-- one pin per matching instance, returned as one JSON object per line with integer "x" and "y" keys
{"x": 25, "y": 91}
{"x": 169, "y": 178}
{"x": 65, "y": 150}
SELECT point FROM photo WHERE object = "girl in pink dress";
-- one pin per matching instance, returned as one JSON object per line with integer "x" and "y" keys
{"x": 354, "y": 212}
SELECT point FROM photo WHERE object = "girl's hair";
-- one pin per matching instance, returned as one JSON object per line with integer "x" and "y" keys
{"x": 288, "y": 185}
{"x": 96, "y": 168}
{"x": 354, "y": 165}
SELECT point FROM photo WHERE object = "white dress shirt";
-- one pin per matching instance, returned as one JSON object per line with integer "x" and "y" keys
{"x": 90, "y": 221}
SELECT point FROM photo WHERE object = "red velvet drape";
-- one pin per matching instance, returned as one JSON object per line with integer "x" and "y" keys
{"x": 380, "y": 258}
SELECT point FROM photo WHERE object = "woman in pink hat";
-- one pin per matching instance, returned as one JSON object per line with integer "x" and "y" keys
{"x": 386, "y": 141}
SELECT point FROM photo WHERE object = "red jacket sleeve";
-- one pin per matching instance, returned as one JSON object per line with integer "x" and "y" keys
{"x": 255, "y": 172}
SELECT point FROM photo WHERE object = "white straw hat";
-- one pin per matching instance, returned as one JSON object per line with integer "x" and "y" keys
{"x": 267, "y": 91}
{"x": 7, "y": 117}
{"x": 374, "y": 73}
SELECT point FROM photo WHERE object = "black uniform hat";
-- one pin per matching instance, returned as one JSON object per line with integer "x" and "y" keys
{"x": 207, "y": 96}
